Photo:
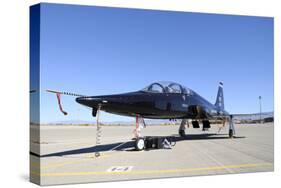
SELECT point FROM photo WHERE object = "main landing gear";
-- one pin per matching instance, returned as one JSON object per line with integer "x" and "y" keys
{"x": 182, "y": 128}
{"x": 206, "y": 126}
{"x": 231, "y": 131}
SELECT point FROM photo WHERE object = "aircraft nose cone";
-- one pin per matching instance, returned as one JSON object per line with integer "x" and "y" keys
{"x": 86, "y": 100}
{"x": 81, "y": 100}
{"x": 89, "y": 101}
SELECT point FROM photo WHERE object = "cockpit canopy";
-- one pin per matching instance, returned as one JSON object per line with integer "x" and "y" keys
{"x": 167, "y": 87}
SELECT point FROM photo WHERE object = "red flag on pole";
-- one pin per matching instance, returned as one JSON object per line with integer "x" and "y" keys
{"x": 60, "y": 106}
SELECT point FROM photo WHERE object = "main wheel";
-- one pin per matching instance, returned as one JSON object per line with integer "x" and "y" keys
{"x": 139, "y": 144}
{"x": 230, "y": 133}
{"x": 97, "y": 154}
{"x": 182, "y": 133}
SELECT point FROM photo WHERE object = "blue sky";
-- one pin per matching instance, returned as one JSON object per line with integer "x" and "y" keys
{"x": 97, "y": 50}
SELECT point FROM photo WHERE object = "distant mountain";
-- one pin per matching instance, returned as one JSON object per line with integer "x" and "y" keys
{"x": 70, "y": 122}
{"x": 81, "y": 122}
{"x": 255, "y": 116}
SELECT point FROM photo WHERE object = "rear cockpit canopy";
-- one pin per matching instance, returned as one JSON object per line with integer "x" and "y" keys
{"x": 167, "y": 87}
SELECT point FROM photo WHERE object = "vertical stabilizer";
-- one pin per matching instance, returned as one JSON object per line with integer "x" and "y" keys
{"x": 220, "y": 100}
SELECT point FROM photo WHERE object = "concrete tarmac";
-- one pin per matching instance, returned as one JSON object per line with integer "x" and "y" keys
{"x": 67, "y": 153}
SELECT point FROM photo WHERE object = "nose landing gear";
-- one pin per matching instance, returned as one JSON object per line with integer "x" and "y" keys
{"x": 139, "y": 141}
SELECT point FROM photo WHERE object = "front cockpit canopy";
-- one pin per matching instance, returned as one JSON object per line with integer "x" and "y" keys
{"x": 166, "y": 87}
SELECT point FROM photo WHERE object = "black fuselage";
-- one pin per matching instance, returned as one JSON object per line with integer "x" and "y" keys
{"x": 154, "y": 105}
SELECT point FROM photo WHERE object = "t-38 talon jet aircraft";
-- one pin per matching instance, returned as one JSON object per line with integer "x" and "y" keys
{"x": 159, "y": 100}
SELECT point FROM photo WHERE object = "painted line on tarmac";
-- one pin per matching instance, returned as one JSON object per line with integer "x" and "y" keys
{"x": 154, "y": 171}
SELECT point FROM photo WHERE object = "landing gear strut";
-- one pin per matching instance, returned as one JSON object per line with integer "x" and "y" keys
{"x": 137, "y": 130}
{"x": 139, "y": 141}
{"x": 182, "y": 128}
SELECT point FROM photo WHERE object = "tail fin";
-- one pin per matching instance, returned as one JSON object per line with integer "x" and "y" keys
{"x": 220, "y": 100}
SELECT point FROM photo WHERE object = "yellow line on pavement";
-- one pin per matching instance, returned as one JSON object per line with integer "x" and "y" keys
{"x": 155, "y": 171}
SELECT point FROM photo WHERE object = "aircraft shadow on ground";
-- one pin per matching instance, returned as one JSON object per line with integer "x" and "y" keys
{"x": 129, "y": 146}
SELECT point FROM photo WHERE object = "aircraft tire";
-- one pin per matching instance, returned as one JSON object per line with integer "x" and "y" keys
{"x": 230, "y": 133}
{"x": 182, "y": 133}
{"x": 139, "y": 144}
